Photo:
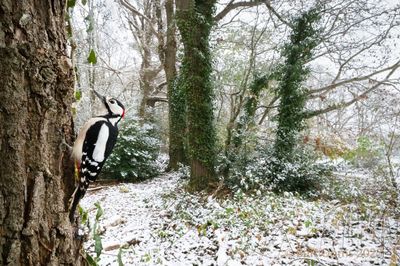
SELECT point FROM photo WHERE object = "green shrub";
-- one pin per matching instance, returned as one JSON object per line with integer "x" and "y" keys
{"x": 303, "y": 173}
{"x": 263, "y": 170}
{"x": 134, "y": 157}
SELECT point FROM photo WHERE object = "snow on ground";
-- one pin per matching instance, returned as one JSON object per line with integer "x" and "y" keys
{"x": 158, "y": 223}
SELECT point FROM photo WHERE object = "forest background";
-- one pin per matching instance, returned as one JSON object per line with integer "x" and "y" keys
{"x": 255, "y": 106}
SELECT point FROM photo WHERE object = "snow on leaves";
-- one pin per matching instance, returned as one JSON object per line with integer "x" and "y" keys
{"x": 158, "y": 223}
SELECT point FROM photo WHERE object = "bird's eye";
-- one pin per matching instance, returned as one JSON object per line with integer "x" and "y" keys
{"x": 112, "y": 101}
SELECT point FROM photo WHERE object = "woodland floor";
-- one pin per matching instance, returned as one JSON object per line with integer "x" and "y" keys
{"x": 158, "y": 223}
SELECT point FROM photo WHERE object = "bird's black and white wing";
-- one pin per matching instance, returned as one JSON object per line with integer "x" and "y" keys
{"x": 99, "y": 141}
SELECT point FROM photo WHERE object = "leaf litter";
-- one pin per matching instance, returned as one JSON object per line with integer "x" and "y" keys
{"x": 158, "y": 223}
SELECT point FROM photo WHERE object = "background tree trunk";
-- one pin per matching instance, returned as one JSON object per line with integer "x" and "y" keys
{"x": 36, "y": 93}
{"x": 291, "y": 92}
{"x": 176, "y": 97}
{"x": 194, "y": 20}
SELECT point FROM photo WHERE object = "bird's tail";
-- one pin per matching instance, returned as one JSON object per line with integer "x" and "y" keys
{"x": 76, "y": 197}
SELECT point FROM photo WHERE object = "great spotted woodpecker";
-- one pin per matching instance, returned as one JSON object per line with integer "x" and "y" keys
{"x": 94, "y": 144}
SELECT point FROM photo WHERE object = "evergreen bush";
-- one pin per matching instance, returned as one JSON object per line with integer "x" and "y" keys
{"x": 134, "y": 157}
{"x": 262, "y": 169}
{"x": 302, "y": 173}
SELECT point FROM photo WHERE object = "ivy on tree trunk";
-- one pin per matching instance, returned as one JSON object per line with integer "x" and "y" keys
{"x": 177, "y": 125}
{"x": 176, "y": 96}
{"x": 291, "y": 92}
{"x": 237, "y": 135}
{"x": 195, "y": 20}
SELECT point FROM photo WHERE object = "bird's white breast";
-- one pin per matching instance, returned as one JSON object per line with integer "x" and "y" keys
{"x": 100, "y": 148}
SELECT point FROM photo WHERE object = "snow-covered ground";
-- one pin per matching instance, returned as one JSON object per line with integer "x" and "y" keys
{"x": 158, "y": 223}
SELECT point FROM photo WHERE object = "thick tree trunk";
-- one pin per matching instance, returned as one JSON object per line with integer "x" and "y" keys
{"x": 177, "y": 125}
{"x": 194, "y": 20}
{"x": 176, "y": 99}
{"x": 36, "y": 174}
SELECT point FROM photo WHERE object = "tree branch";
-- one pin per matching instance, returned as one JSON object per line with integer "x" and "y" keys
{"x": 330, "y": 87}
{"x": 273, "y": 11}
{"x": 231, "y": 6}
{"x": 133, "y": 10}
{"x": 268, "y": 109}
{"x": 337, "y": 106}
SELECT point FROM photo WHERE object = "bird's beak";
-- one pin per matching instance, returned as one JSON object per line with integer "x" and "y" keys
{"x": 101, "y": 97}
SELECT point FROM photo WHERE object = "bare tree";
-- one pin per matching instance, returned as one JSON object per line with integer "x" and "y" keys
{"x": 147, "y": 27}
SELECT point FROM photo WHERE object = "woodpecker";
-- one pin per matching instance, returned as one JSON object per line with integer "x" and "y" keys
{"x": 95, "y": 142}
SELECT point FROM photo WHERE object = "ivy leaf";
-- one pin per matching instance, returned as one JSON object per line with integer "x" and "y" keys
{"x": 71, "y": 3}
{"x": 92, "y": 59}
{"x": 119, "y": 258}
{"x": 84, "y": 2}
{"x": 98, "y": 246}
{"x": 91, "y": 261}
{"x": 84, "y": 215}
{"x": 99, "y": 211}
{"x": 78, "y": 95}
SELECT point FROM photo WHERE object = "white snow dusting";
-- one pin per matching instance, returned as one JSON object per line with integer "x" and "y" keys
{"x": 158, "y": 223}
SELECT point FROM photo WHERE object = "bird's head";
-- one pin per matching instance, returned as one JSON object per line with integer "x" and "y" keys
{"x": 111, "y": 106}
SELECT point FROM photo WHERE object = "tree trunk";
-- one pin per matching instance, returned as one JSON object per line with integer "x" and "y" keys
{"x": 37, "y": 176}
{"x": 177, "y": 117}
{"x": 177, "y": 125}
{"x": 148, "y": 73}
{"x": 145, "y": 78}
{"x": 194, "y": 20}
{"x": 298, "y": 51}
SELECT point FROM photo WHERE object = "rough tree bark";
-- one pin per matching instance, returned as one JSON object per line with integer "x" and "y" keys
{"x": 36, "y": 174}
{"x": 177, "y": 117}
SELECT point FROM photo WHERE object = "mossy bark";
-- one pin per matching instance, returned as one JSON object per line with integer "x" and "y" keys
{"x": 195, "y": 20}
{"x": 36, "y": 174}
